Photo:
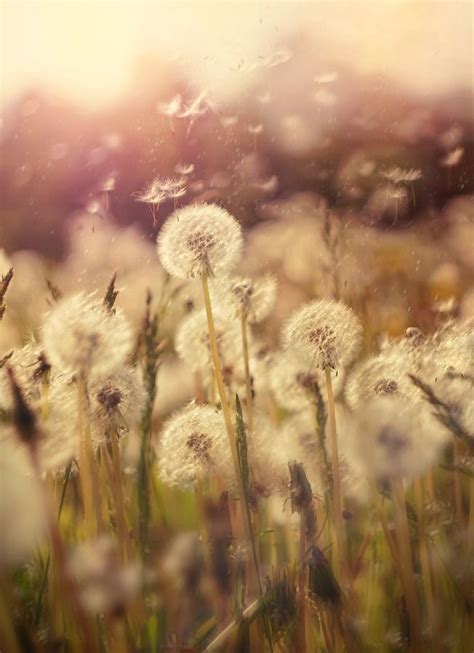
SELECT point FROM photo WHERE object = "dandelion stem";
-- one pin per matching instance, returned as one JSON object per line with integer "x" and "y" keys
{"x": 229, "y": 426}
{"x": 8, "y": 637}
{"x": 85, "y": 459}
{"x": 248, "y": 380}
{"x": 405, "y": 559}
{"x": 118, "y": 496}
{"x": 338, "y": 549}
{"x": 425, "y": 564}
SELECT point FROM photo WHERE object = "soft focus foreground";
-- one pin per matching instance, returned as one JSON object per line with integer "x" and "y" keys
{"x": 236, "y": 394}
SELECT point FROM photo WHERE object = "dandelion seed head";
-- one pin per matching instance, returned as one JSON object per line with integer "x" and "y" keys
{"x": 394, "y": 438}
{"x": 78, "y": 335}
{"x": 26, "y": 364}
{"x": 291, "y": 381}
{"x": 192, "y": 444}
{"x": 268, "y": 459}
{"x": 193, "y": 345}
{"x": 325, "y": 334}
{"x": 117, "y": 401}
{"x": 254, "y": 297}
{"x": 453, "y": 347}
{"x": 200, "y": 239}
{"x": 384, "y": 375}
{"x": 105, "y": 585}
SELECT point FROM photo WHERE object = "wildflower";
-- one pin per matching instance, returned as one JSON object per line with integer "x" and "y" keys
{"x": 200, "y": 239}
{"x": 192, "y": 444}
{"x": 21, "y": 508}
{"x": 254, "y": 298}
{"x": 393, "y": 439}
{"x": 80, "y": 336}
{"x": 324, "y": 334}
{"x": 105, "y": 586}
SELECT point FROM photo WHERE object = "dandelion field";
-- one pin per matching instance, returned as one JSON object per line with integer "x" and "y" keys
{"x": 243, "y": 420}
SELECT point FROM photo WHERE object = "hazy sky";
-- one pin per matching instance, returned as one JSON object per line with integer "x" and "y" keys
{"x": 86, "y": 49}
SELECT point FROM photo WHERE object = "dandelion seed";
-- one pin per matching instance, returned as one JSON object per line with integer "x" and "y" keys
{"x": 200, "y": 239}
{"x": 278, "y": 58}
{"x": 197, "y": 107}
{"x": 107, "y": 184}
{"x": 192, "y": 444}
{"x": 325, "y": 98}
{"x": 398, "y": 175}
{"x": 229, "y": 121}
{"x": 161, "y": 189}
{"x": 184, "y": 168}
{"x": 171, "y": 108}
{"x": 80, "y": 336}
{"x": 267, "y": 186}
{"x": 255, "y": 130}
{"x": 324, "y": 334}
{"x": 452, "y": 158}
{"x": 326, "y": 78}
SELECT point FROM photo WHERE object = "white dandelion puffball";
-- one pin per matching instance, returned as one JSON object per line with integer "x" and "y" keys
{"x": 21, "y": 509}
{"x": 79, "y": 335}
{"x": 385, "y": 375}
{"x": 193, "y": 346}
{"x": 254, "y": 298}
{"x": 200, "y": 239}
{"x": 104, "y": 584}
{"x": 192, "y": 444}
{"x": 26, "y": 364}
{"x": 396, "y": 439}
{"x": 324, "y": 333}
{"x": 292, "y": 383}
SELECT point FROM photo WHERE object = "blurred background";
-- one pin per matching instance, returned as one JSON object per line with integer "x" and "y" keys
{"x": 248, "y": 103}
